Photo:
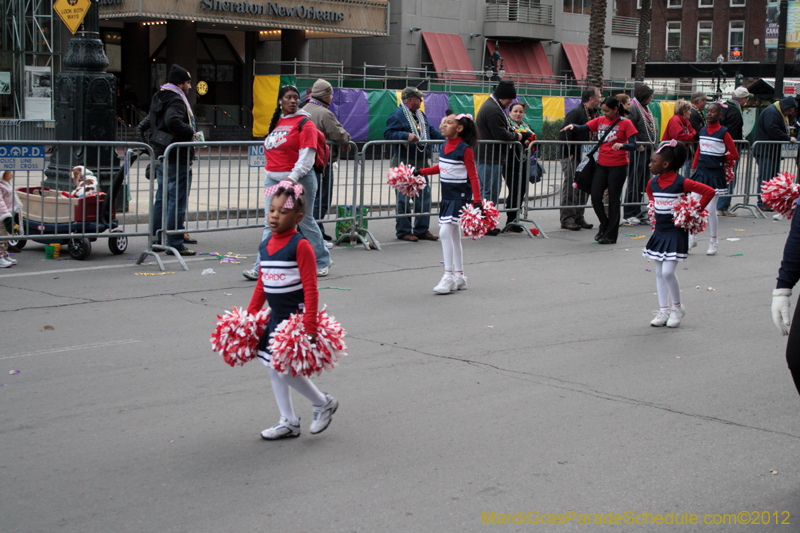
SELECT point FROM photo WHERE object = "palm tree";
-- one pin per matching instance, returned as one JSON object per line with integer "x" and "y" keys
{"x": 643, "y": 46}
{"x": 597, "y": 40}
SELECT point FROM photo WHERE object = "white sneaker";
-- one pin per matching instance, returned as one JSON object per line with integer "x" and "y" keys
{"x": 323, "y": 415}
{"x": 252, "y": 274}
{"x": 728, "y": 214}
{"x": 676, "y": 314}
{"x": 692, "y": 241}
{"x": 328, "y": 245}
{"x": 446, "y": 285}
{"x": 634, "y": 221}
{"x": 4, "y": 263}
{"x": 461, "y": 282}
{"x": 322, "y": 272}
{"x": 777, "y": 216}
{"x": 282, "y": 430}
{"x": 712, "y": 248}
{"x": 662, "y": 315}
{"x": 10, "y": 259}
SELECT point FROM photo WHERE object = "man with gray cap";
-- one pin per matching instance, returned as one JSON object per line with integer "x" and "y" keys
{"x": 318, "y": 107}
{"x": 733, "y": 119}
{"x": 772, "y": 125}
{"x": 408, "y": 123}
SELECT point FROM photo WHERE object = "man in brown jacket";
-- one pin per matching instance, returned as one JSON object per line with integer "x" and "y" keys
{"x": 318, "y": 106}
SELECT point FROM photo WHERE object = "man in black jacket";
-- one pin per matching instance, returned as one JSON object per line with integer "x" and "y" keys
{"x": 733, "y": 119}
{"x": 494, "y": 125}
{"x": 771, "y": 125}
{"x": 696, "y": 118}
{"x": 171, "y": 121}
{"x": 572, "y": 217}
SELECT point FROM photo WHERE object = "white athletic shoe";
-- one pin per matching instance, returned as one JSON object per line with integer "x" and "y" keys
{"x": 323, "y": 415}
{"x": 328, "y": 245}
{"x": 661, "y": 318}
{"x": 4, "y": 263}
{"x": 322, "y": 272}
{"x": 10, "y": 259}
{"x": 282, "y": 430}
{"x": 461, "y": 282}
{"x": 676, "y": 314}
{"x": 712, "y": 248}
{"x": 777, "y": 216}
{"x": 446, "y": 285}
{"x": 692, "y": 241}
{"x": 252, "y": 274}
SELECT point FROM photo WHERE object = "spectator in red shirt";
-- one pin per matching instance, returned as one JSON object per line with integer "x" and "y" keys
{"x": 680, "y": 128}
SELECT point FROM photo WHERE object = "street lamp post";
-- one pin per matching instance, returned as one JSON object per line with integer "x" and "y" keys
{"x": 495, "y": 70}
{"x": 718, "y": 77}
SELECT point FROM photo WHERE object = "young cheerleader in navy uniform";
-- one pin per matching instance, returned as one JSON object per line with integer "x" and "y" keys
{"x": 716, "y": 146}
{"x": 288, "y": 282}
{"x": 669, "y": 244}
{"x": 459, "y": 180}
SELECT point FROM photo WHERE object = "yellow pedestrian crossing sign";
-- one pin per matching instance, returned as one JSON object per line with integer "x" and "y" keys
{"x": 72, "y": 12}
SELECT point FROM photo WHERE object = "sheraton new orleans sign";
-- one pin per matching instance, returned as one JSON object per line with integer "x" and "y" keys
{"x": 272, "y": 9}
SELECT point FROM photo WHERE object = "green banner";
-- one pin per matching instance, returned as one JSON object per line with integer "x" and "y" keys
{"x": 381, "y": 105}
{"x": 462, "y": 103}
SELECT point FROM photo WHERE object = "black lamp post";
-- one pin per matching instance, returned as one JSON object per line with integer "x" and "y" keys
{"x": 495, "y": 69}
{"x": 719, "y": 77}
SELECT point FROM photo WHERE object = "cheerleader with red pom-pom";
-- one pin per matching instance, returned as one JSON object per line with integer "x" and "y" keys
{"x": 288, "y": 282}
{"x": 669, "y": 244}
{"x": 715, "y": 151}
{"x": 459, "y": 180}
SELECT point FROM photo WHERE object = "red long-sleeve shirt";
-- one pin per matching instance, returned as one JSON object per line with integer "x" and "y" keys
{"x": 307, "y": 264}
{"x": 730, "y": 146}
{"x": 469, "y": 163}
{"x": 665, "y": 180}
{"x": 680, "y": 129}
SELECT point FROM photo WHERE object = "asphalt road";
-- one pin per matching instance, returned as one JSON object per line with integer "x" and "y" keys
{"x": 541, "y": 388}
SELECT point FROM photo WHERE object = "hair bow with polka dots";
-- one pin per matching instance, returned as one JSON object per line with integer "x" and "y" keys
{"x": 289, "y": 186}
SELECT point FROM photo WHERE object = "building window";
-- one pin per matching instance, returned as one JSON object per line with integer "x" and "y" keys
{"x": 704, "y": 31}
{"x": 579, "y": 7}
{"x": 737, "y": 3}
{"x": 673, "y": 41}
{"x": 674, "y": 4}
{"x": 705, "y": 3}
{"x": 735, "y": 40}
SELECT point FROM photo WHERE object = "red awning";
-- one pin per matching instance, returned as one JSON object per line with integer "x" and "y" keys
{"x": 448, "y": 54}
{"x": 524, "y": 62}
{"x": 578, "y": 57}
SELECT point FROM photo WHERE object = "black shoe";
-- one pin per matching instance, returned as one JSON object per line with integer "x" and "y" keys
{"x": 598, "y": 236}
{"x": 515, "y": 229}
{"x": 327, "y": 237}
{"x": 493, "y": 232}
{"x": 585, "y": 225}
{"x": 765, "y": 208}
{"x": 606, "y": 240}
{"x": 183, "y": 251}
{"x": 571, "y": 226}
{"x": 188, "y": 239}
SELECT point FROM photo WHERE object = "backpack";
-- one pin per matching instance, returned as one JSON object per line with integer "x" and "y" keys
{"x": 323, "y": 150}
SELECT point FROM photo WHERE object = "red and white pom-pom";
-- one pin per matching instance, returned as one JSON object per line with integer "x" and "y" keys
{"x": 291, "y": 350}
{"x": 403, "y": 179}
{"x": 729, "y": 175}
{"x": 781, "y": 193}
{"x": 237, "y": 334}
{"x": 689, "y": 216}
{"x": 475, "y": 224}
{"x": 651, "y": 214}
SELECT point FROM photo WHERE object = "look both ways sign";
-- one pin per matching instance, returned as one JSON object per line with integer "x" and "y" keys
{"x": 29, "y": 158}
{"x": 72, "y": 12}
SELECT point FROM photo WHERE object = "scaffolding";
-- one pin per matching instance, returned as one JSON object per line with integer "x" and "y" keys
{"x": 30, "y": 38}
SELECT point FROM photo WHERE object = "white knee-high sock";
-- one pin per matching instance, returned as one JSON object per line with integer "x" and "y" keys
{"x": 671, "y": 281}
{"x": 661, "y": 287}
{"x": 713, "y": 221}
{"x": 458, "y": 251}
{"x": 306, "y": 387}
{"x": 283, "y": 396}
{"x": 446, "y": 236}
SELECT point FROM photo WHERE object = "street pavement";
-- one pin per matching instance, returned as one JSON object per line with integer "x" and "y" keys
{"x": 540, "y": 389}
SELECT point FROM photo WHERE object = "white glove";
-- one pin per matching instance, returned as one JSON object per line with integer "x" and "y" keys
{"x": 782, "y": 309}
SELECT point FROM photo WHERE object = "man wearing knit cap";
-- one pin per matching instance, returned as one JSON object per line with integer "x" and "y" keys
{"x": 733, "y": 119}
{"x": 409, "y": 124}
{"x": 171, "y": 121}
{"x": 318, "y": 106}
{"x": 772, "y": 125}
{"x": 494, "y": 125}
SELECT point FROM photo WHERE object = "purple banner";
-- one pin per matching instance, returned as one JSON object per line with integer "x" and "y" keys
{"x": 436, "y": 105}
{"x": 569, "y": 103}
{"x": 351, "y": 107}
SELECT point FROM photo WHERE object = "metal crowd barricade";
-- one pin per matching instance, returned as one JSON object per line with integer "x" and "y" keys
{"x": 52, "y": 210}
{"x": 769, "y": 158}
{"x": 223, "y": 189}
